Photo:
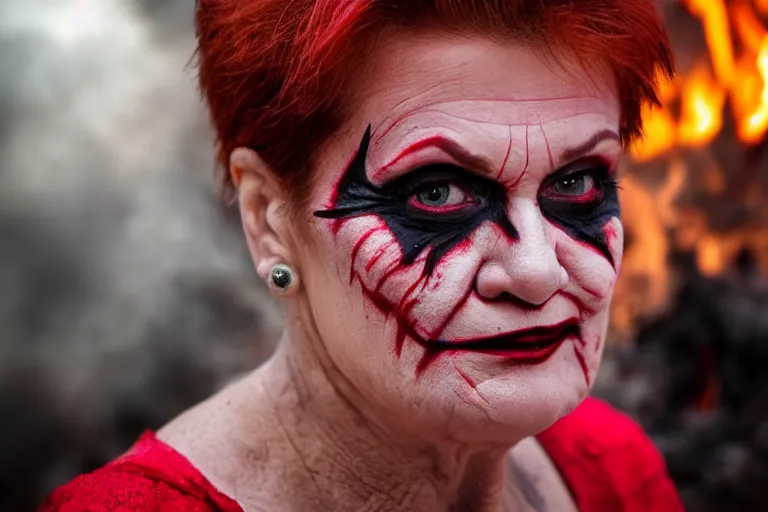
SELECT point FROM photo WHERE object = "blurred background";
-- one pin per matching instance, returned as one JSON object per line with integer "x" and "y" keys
{"x": 126, "y": 293}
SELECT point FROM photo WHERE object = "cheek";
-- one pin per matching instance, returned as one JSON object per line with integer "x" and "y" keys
{"x": 614, "y": 235}
{"x": 591, "y": 282}
{"x": 590, "y": 273}
{"x": 421, "y": 303}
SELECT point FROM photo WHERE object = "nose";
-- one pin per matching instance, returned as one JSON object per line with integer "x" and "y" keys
{"x": 526, "y": 268}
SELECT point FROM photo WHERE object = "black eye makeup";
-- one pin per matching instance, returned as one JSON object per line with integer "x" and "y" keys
{"x": 442, "y": 190}
{"x": 585, "y": 185}
{"x": 438, "y": 207}
{"x": 581, "y": 200}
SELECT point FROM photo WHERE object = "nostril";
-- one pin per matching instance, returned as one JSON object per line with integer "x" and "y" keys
{"x": 507, "y": 297}
{"x": 520, "y": 303}
{"x": 524, "y": 275}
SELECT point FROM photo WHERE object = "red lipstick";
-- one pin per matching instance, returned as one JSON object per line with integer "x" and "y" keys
{"x": 533, "y": 345}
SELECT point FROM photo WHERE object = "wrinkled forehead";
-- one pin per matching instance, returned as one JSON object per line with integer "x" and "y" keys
{"x": 415, "y": 85}
{"x": 408, "y": 72}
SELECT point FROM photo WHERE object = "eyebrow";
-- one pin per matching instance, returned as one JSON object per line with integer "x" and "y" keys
{"x": 480, "y": 164}
{"x": 453, "y": 148}
{"x": 576, "y": 152}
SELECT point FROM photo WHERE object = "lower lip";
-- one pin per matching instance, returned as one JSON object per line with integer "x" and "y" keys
{"x": 524, "y": 355}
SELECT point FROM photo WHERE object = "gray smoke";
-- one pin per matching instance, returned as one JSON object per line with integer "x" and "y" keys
{"x": 125, "y": 291}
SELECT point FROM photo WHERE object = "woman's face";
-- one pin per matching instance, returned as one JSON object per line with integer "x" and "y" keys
{"x": 467, "y": 235}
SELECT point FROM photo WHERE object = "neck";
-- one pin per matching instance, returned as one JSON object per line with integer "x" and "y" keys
{"x": 337, "y": 454}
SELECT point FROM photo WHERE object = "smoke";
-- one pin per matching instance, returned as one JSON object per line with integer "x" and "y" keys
{"x": 126, "y": 293}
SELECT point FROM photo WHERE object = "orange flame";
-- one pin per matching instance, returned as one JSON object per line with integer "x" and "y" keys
{"x": 762, "y": 6}
{"x": 703, "y": 91}
{"x": 731, "y": 77}
{"x": 753, "y": 100}
{"x": 701, "y": 108}
{"x": 714, "y": 19}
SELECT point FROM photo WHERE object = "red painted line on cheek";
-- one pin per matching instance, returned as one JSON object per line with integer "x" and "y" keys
{"x": 436, "y": 281}
{"x": 610, "y": 232}
{"x": 502, "y": 234}
{"x": 464, "y": 376}
{"x": 584, "y": 245}
{"x": 582, "y": 362}
{"x": 387, "y": 308}
{"x": 376, "y": 257}
{"x": 435, "y": 334}
{"x": 421, "y": 281}
{"x": 331, "y": 204}
{"x": 404, "y": 327}
{"x": 430, "y": 356}
{"x": 389, "y": 273}
{"x": 578, "y": 300}
{"x": 377, "y": 300}
{"x": 402, "y": 333}
{"x": 356, "y": 249}
{"x": 462, "y": 246}
{"x": 593, "y": 293}
{"x": 589, "y": 247}
{"x": 401, "y": 309}
{"x": 336, "y": 226}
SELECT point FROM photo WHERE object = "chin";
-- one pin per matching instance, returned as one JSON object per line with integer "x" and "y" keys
{"x": 513, "y": 404}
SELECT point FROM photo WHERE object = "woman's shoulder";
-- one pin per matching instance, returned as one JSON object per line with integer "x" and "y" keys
{"x": 150, "y": 476}
{"x": 609, "y": 462}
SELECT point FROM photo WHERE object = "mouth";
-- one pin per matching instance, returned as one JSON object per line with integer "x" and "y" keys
{"x": 531, "y": 346}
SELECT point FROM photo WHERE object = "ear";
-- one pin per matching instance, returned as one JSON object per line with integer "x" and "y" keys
{"x": 262, "y": 209}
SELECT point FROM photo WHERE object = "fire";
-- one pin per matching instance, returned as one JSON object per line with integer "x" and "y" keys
{"x": 723, "y": 91}
{"x": 714, "y": 18}
{"x": 702, "y": 92}
{"x": 701, "y": 108}
{"x": 753, "y": 126}
{"x": 659, "y": 125}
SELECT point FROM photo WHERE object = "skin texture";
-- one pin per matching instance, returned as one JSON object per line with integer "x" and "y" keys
{"x": 457, "y": 265}
{"x": 516, "y": 129}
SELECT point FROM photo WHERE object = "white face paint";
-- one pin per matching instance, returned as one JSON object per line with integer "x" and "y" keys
{"x": 470, "y": 248}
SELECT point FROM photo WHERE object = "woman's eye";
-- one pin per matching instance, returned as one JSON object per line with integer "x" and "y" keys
{"x": 440, "y": 197}
{"x": 580, "y": 188}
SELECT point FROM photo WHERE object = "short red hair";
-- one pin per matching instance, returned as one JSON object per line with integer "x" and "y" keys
{"x": 275, "y": 72}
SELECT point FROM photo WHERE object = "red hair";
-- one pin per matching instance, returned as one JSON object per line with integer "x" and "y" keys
{"x": 275, "y": 72}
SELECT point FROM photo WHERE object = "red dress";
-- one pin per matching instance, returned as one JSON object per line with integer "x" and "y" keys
{"x": 605, "y": 458}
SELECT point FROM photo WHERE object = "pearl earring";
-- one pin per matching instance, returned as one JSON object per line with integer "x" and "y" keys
{"x": 282, "y": 279}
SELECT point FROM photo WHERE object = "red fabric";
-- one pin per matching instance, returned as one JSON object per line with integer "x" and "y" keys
{"x": 151, "y": 477}
{"x": 609, "y": 463}
{"x": 605, "y": 458}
